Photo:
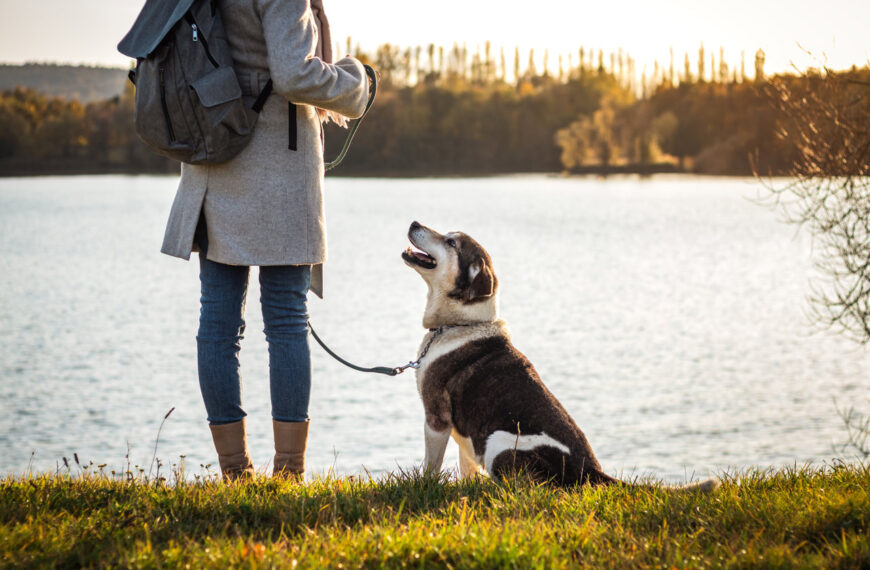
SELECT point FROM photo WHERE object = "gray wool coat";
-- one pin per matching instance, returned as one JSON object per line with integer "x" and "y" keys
{"x": 265, "y": 206}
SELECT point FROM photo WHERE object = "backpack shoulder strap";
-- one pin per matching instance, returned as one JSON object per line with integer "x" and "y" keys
{"x": 261, "y": 98}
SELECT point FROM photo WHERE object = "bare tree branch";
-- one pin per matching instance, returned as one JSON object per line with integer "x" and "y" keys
{"x": 827, "y": 115}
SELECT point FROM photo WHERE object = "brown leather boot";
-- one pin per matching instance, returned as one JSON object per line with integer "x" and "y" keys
{"x": 232, "y": 448}
{"x": 290, "y": 441}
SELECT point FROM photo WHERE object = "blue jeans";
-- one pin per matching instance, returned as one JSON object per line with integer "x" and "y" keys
{"x": 283, "y": 292}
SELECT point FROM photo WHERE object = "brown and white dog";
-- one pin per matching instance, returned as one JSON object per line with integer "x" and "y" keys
{"x": 476, "y": 386}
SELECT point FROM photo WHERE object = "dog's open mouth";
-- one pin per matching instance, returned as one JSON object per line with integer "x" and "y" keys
{"x": 419, "y": 257}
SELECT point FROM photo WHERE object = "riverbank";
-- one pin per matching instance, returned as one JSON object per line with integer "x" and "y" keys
{"x": 29, "y": 167}
{"x": 793, "y": 518}
{"x": 25, "y": 167}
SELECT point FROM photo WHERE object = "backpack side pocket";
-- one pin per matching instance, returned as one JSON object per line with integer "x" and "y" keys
{"x": 227, "y": 122}
{"x": 154, "y": 92}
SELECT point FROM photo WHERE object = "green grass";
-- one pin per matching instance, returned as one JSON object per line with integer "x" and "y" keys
{"x": 794, "y": 518}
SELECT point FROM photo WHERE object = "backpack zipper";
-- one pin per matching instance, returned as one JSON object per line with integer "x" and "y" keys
{"x": 196, "y": 36}
{"x": 165, "y": 107}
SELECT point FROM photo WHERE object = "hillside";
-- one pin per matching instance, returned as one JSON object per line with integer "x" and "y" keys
{"x": 83, "y": 83}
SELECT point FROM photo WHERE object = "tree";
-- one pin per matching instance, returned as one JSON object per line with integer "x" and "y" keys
{"x": 13, "y": 130}
{"x": 828, "y": 116}
{"x": 590, "y": 140}
{"x": 387, "y": 63}
{"x": 759, "y": 66}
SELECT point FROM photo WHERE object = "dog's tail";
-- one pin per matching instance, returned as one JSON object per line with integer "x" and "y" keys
{"x": 700, "y": 487}
{"x": 705, "y": 486}
{"x": 596, "y": 477}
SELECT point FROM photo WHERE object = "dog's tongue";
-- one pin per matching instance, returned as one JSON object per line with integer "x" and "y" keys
{"x": 421, "y": 255}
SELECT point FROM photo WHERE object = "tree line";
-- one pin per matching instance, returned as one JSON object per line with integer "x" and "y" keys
{"x": 82, "y": 82}
{"x": 447, "y": 111}
{"x": 41, "y": 134}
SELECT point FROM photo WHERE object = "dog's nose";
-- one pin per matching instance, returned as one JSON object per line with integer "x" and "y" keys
{"x": 415, "y": 224}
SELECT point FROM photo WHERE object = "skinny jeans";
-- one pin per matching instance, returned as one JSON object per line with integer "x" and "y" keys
{"x": 283, "y": 299}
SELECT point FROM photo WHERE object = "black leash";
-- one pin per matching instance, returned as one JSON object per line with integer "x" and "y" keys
{"x": 375, "y": 370}
{"x": 373, "y": 90}
{"x": 384, "y": 369}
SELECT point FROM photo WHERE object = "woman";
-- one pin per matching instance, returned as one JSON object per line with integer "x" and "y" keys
{"x": 265, "y": 208}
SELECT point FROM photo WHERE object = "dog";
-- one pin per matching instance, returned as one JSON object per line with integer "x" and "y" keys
{"x": 477, "y": 387}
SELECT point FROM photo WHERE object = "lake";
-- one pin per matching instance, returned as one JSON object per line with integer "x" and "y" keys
{"x": 667, "y": 314}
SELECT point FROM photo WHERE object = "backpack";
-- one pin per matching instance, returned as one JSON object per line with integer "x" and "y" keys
{"x": 189, "y": 104}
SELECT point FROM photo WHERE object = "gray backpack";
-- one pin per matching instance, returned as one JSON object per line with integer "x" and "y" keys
{"x": 189, "y": 104}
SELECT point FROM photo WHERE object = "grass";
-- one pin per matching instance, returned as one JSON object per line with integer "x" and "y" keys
{"x": 794, "y": 518}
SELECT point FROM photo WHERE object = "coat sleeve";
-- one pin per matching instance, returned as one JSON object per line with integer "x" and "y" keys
{"x": 291, "y": 35}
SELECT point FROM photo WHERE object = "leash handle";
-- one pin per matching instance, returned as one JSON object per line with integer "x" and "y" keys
{"x": 373, "y": 77}
{"x": 375, "y": 370}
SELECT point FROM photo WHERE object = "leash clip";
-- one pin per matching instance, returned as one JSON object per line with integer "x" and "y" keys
{"x": 399, "y": 369}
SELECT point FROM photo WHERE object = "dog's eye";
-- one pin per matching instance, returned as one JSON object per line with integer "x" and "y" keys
{"x": 451, "y": 242}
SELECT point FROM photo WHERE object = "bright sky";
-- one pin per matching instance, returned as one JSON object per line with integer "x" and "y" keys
{"x": 834, "y": 31}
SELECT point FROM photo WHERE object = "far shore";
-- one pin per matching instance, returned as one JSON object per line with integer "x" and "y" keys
{"x": 32, "y": 168}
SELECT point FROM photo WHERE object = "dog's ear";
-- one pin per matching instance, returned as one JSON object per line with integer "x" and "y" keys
{"x": 482, "y": 283}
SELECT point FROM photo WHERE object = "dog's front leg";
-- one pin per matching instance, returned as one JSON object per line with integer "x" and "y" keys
{"x": 438, "y": 426}
{"x": 437, "y": 434}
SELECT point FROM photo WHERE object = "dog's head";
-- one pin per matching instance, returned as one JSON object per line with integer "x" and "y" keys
{"x": 459, "y": 273}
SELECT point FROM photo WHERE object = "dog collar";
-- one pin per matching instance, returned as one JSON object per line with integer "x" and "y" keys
{"x": 443, "y": 328}
{"x": 415, "y": 364}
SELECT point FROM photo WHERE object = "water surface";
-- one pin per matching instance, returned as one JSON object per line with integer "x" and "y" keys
{"x": 667, "y": 314}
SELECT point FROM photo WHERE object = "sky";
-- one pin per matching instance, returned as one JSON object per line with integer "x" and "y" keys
{"x": 792, "y": 33}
